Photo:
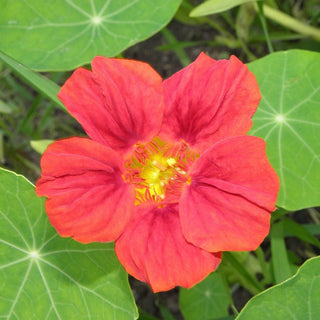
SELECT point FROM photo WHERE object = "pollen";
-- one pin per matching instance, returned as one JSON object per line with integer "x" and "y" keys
{"x": 159, "y": 171}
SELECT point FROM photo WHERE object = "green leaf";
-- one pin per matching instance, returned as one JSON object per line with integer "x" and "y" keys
{"x": 40, "y": 145}
{"x": 143, "y": 315}
{"x": 5, "y": 108}
{"x": 312, "y": 228}
{"x": 295, "y": 298}
{"x": 293, "y": 228}
{"x": 36, "y": 80}
{"x": 45, "y": 276}
{"x": 64, "y": 34}
{"x": 216, "y": 6}
{"x": 244, "y": 273}
{"x": 288, "y": 119}
{"x": 244, "y": 20}
{"x": 280, "y": 261}
{"x": 209, "y": 299}
{"x": 165, "y": 312}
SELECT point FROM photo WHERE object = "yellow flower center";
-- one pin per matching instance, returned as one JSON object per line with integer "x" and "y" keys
{"x": 159, "y": 171}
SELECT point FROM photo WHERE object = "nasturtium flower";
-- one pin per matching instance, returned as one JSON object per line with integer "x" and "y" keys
{"x": 167, "y": 171}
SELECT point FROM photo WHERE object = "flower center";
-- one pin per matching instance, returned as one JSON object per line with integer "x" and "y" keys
{"x": 159, "y": 171}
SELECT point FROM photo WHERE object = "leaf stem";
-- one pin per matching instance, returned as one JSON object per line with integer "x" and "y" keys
{"x": 291, "y": 23}
{"x": 184, "y": 59}
{"x": 264, "y": 25}
{"x": 237, "y": 266}
{"x": 36, "y": 80}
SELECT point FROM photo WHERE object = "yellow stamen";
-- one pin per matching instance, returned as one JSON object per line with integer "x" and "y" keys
{"x": 159, "y": 171}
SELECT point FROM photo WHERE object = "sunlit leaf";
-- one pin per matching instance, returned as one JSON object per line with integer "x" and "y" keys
{"x": 216, "y": 6}
{"x": 288, "y": 118}
{"x": 295, "y": 298}
{"x": 44, "y": 276}
{"x": 40, "y": 145}
{"x": 64, "y": 34}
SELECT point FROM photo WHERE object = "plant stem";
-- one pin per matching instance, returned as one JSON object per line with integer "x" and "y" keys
{"x": 2, "y": 158}
{"x": 291, "y": 23}
{"x": 214, "y": 24}
{"x": 264, "y": 25}
{"x": 184, "y": 59}
{"x": 238, "y": 267}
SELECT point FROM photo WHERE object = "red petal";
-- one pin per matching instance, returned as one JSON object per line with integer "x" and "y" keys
{"x": 232, "y": 192}
{"x": 87, "y": 197}
{"x": 118, "y": 104}
{"x": 208, "y": 101}
{"x": 153, "y": 249}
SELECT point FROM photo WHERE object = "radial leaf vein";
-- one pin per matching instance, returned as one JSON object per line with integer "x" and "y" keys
{"x": 19, "y": 291}
{"x": 93, "y": 8}
{"x": 48, "y": 240}
{"x": 82, "y": 287}
{"x": 12, "y": 263}
{"x": 308, "y": 98}
{"x": 270, "y": 131}
{"x": 36, "y": 11}
{"x": 104, "y": 8}
{"x": 303, "y": 142}
{"x": 307, "y": 122}
{"x": 48, "y": 290}
{"x": 18, "y": 232}
{"x": 78, "y": 8}
{"x": 64, "y": 44}
{"x": 255, "y": 131}
{"x": 283, "y": 84}
{"x": 269, "y": 105}
{"x": 281, "y": 163}
{"x": 25, "y": 213}
{"x": 123, "y": 8}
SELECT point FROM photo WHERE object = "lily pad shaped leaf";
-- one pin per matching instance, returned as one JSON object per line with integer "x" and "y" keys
{"x": 295, "y": 298}
{"x": 44, "y": 276}
{"x": 209, "y": 299}
{"x": 64, "y": 34}
{"x": 288, "y": 119}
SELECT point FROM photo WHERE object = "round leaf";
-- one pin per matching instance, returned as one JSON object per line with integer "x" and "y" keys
{"x": 288, "y": 119}
{"x": 64, "y": 34}
{"x": 44, "y": 276}
{"x": 295, "y": 298}
{"x": 209, "y": 299}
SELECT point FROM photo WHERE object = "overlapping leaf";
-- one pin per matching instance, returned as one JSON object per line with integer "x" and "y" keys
{"x": 296, "y": 298}
{"x": 44, "y": 276}
{"x": 64, "y": 34}
{"x": 216, "y": 6}
{"x": 288, "y": 118}
{"x": 36, "y": 80}
{"x": 209, "y": 299}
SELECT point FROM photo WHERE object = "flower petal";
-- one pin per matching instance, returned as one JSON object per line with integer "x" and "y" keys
{"x": 118, "y": 104}
{"x": 232, "y": 192}
{"x": 153, "y": 249}
{"x": 208, "y": 101}
{"x": 87, "y": 197}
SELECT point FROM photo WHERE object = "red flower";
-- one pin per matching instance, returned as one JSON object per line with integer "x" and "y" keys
{"x": 167, "y": 172}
